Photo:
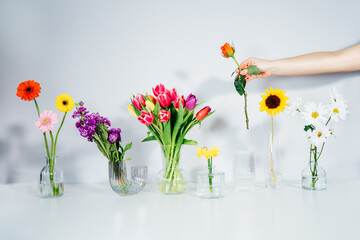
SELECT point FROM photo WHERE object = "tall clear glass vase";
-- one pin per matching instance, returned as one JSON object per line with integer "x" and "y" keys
{"x": 273, "y": 164}
{"x": 171, "y": 179}
{"x": 51, "y": 179}
{"x": 119, "y": 181}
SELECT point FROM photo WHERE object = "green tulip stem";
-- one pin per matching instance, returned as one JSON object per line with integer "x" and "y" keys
{"x": 45, "y": 139}
{"x": 57, "y": 134}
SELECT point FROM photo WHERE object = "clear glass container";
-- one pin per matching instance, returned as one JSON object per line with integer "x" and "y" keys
{"x": 313, "y": 177}
{"x": 244, "y": 171}
{"x": 171, "y": 179}
{"x": 51, "y": 179}
{"x": 273, "y": 164}
{"x": 210, "y": 183}
{"x": 119, "y": 181}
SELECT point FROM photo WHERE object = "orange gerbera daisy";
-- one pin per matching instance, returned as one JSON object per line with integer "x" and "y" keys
{"x": 28, "y": 90}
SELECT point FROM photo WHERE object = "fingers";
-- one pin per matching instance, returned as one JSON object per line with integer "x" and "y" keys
{"x": 246, "y": 63}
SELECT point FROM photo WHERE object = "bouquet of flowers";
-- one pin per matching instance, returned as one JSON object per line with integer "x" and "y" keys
{"x": 228, "y": 51}
{"x": 95, "y": 128}
{"x": 168, "y": 117}
{"x": 319, "y": 127}
{"x": 29, "y": 91}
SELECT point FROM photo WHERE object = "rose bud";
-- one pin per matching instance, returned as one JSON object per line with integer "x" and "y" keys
{"x": 164, "y": 116}
{"x": 203, "y": 113}
{"x": 227, "y": 50}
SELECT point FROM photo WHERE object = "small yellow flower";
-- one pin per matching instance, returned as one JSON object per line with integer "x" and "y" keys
{"x": 274, "y": 101}
{"x": 150, "y": 105}
{"x": 131, "y": 110}
{"x": 214, "y": 151}
{"x": 207, "y": 153}
{"x": 200, "y": 152}
{"x": 64, "y": 103}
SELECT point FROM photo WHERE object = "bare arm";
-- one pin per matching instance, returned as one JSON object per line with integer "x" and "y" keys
{"x": 345, "y": 60}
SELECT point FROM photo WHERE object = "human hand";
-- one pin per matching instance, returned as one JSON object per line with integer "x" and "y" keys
{"x": 263, "y": 66}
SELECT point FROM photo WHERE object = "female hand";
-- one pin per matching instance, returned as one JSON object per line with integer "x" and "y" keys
{"x": 263, "y": 66}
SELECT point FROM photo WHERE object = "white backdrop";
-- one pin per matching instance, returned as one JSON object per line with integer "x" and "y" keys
{"x": 102, "y": 52}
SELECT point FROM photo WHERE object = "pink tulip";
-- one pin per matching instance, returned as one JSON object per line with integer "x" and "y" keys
{"x": 164, "y": 100}
{"x": 146, "y": 118}
{"x": 172, "y": 94}
{"x": 164, "y": 116}
{"x": 138, "y": 100}
{"x": 159, "y": 89}
{"x": 177, "y": 101}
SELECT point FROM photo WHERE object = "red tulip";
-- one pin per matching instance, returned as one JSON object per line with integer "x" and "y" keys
{"x": 153, "y": 99}
{"x": 172, "y": 93}
{"x": 177, "y": 101}
{"x": 138, "y": 100}
{"x": 203, "y": 113}
{"x": 164, "y": 100}
{"x": 159, "y": 89}
{"x": 164, "y": 116}
{"x": 146, "y": 118}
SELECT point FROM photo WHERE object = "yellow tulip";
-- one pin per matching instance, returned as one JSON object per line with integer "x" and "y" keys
{"x": 131, "y": 110}
{"x": 150, "y": 105}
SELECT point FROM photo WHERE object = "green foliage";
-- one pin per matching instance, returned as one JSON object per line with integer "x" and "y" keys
{"x": 240, "y": 83}
{"x": 309, "y": 127}
{"x": 253, "y": 70}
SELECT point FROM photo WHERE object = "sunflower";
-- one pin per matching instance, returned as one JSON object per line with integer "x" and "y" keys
{"x": 274, "y": 101}
{"x": 28, "y": 90}
{"x": 64, "y": 103}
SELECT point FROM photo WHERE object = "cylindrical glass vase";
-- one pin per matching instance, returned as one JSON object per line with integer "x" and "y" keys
{"x": 210, "y": 183}
{"x": 273, "y": 164}
{"x": 244, "y": 171}
{"x": 171, "y": 179}
{"x": 121, "y": 184}
{"x": 51, "y": 179}
{"x": 313, "y": 177}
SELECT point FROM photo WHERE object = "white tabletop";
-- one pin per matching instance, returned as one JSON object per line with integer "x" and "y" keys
{"x": 94, "y": 211}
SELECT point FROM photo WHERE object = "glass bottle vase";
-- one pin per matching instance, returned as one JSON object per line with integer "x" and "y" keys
{"x": 171, "y": 179}
{"x": 313, "y": 177}
{"x": 119, "y": 181}
{"x": 273, "y": 164}
{"x": 51, "y": 179}
{"x": 210, "y": 183}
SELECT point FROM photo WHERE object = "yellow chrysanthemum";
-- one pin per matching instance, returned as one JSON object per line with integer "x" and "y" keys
{"x": 64, "y": 103}
{"x": 214, "y": 151}
{"x": 274, "y": 101}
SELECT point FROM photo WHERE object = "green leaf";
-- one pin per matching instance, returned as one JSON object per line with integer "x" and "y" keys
{"x": 179, "y": 121}
{"x": 167, "y": 133}
{"x": 128, "y": 146}
{"x": 240, "y": 83}
{"x": 150, "y": 138}
{"x": 309, "y": 127}
{"x": 253, "y": 70}
{"x": 189, "y": 142}
{"x": 127, "y": 159}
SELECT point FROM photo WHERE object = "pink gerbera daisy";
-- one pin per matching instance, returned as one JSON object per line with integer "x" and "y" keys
{"x": 46, "y": 121}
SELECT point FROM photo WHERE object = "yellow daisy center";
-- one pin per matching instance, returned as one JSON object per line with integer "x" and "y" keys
{"x": 46, "y": 120}
{"x": 336, "y": 110}
{"x": 314, "y": 114}
{"x": 319, "y": 134}
{"x": 272, "y": 101}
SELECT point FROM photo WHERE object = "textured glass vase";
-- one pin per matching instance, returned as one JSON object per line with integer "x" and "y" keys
{"x": 119, "y": 181}
{"x": 273, "y": 165}
{"x": 51, "y": 179}
{"x": 210, "y": 183}
{"x": 313, "y": 177}
{"x": 171, "y": 179}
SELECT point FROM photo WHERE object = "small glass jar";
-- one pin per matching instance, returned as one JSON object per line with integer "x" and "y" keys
{"x": 313, "y": 177}
{"x": 51, "y": 179}
{"x": 210, "y": 183}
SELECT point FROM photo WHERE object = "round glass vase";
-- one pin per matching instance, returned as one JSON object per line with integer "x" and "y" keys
{"x": 119, "y": 181}
{"x": 273, "y": 164}
{"x": 171, "y": 179}
{"x": 51, "y": 179}
{"x": 210, "y": 183}
{"x": 313, "y": 177}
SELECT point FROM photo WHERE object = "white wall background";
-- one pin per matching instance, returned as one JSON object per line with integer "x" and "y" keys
{"x": 102, "y": 52}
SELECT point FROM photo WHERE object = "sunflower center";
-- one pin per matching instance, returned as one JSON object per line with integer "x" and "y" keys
{"x": 314, "y": 114}
{"x": 28, "y": 89}
{"x": 65, "y": 103}
{"x": 336, "y": 110}
{"x": 272, "y": 101}
{"x": 319, "y": 134}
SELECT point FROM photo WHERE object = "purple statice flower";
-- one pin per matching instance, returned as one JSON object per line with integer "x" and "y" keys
{"x": 190, "y": 102}
{"x": 114, "y": 135}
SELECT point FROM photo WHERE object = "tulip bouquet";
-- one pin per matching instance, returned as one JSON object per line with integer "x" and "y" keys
{"x": 168, "y": 117}
{"x": 95, "y": 128}
{"x": 29, "y": 91}
{"x": 228, "y": 51}
{"x": 319, "y": 126}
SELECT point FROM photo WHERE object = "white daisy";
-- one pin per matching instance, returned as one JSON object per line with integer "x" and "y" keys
{"x": 315, "y": 114}
{"x": 338, "y": 107}
{"x": 295, "y": 107}
{"x": 319, "y": 135}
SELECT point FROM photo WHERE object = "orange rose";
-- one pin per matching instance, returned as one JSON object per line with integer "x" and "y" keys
{"x": 227, "y": 50}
